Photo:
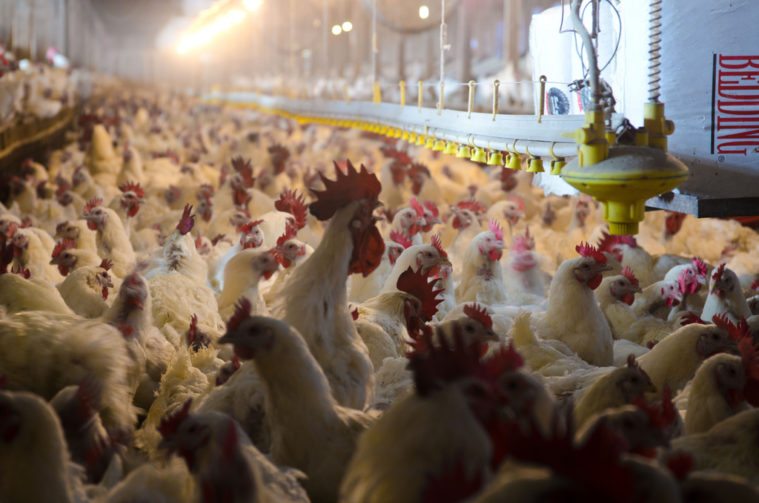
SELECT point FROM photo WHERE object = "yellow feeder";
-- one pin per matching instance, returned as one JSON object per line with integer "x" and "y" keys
{"x": 479, "y": 156}
{"x": 464, "y": 152}
{"x": 421, "y": 140}
{"x": 405, "y": 135}
{"x": 412, "y": 137}
{"x": 438, "y": 146}
{"x": 515, "y": 162}
{"x": 450, "y": 148}
{"x": 557, "y": 165}
{"x": 495, "y": 158}
{"x": 624, "y": 177}
{"x": 535, "y": 165}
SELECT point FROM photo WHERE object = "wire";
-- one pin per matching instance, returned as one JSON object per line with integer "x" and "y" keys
{"x": 579, "y": 48}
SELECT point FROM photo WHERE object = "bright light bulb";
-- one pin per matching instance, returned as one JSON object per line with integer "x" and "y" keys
{"x": 347, "y": 26}
{"x": 336, "y": 30}
{"x": 424, "y": 12}
{"x": 252, "y": 5}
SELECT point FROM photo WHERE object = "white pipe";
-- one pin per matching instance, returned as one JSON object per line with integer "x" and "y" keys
{"x": 593, "y": 73}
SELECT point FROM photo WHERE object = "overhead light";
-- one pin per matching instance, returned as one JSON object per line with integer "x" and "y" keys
{"x": 337, "y": 30}
{"x": 252, "y": 5}
{"x": 204, "y": 34}
{"x": 424, "y": 12}
{"x": 347, "y": 26}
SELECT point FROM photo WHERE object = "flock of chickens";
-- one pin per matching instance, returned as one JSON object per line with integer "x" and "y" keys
{"x": 197, "y": 304}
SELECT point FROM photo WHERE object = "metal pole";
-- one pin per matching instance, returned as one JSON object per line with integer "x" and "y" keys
{"x": 291, "y": 42}
{"x": 443, "y": 48}
{"x": 375, "y": 47}
{"x": 325, "y": 36}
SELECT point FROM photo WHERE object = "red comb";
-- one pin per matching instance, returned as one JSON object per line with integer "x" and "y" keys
{"x": 608, "y": 241}
{"x": 750, "y": 358}
{"x": 664, "y": 414}
{"x": 717, "y": 274}
{"x": 346, "y": 188}
{"x": 479, "y": 313}
{"x": 432, "y": 208}
{"x": 736, "y": 332}
{"x": 523, "y": 243}
{"x": 504, "y": 359}
{"x": 438, "y": 245}
{"x": 198, "y": 242}
{"x": 433, "y": 365}
{"x": 63, "y": 244}
{"x": 290, "y": 232}
{"x": 474, "y": 206}
{"x": 133, "y": 187}
{"x": 587, "y": 250}
{"x": 171, "y": 423}
{"x": 495, "y": 228}
{"x": 400, "y": 238}
{"x": 354, "y": 314}
{"x": 630, "y": 275}
{"x": 417, "y": 207}
{"x": 700, "y": 265}
{"x": 755, "y": 284}
{"x": 291, "y": 202}
{"x": 246, "y": 228}
{"x": 106, "y": 264}
{"x": 245, "y": 169}
{"x": 187, "y": 221}
{"x": 242, "y": 312}
{"x": 418, "y": 285}
{"x": 92, "y": 204}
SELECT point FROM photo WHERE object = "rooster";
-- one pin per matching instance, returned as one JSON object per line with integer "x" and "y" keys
{"x": 309, "y": 430}
{"x": 315, "y": 296}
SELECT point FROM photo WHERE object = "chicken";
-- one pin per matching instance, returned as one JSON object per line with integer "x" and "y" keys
{"x": 19, "y": 294}
{"x": 225, "y": 465}
{"x": 241, "y": 279}
{"x": 383, "y": 321}
{"x": 451, "y": 459}
{"x": 725, "y": 296}
{"x": 88, "y": 442}
{"x": 482, "y": 276}
{"x": 179, "y": 285}
{"x": 309, "y": 430}
{"x": 582, "y": 327}
{"x": 65, "y": 349}
{"x": 315, "y": 296}
{"x": 290, "y": 252}
{"x": 86, "y": 290}
{"x": 728, "y": 447}
{"x": 149, "y": 350}
{"x": 619, "y": 387}
{"x": 715, "y": 393}
{"x": 112, "y": 239}
{"x": 524, "y": 280}
{"x": 29, "y": 252}
{"x": 34, "y": 462}
{"x": 425, "y": 258}
{"x": 674, "y": 360}
{"x": 615, "y": 295}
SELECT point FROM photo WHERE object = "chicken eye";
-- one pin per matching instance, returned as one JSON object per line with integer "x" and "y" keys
{"x": 715, "y": 337}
